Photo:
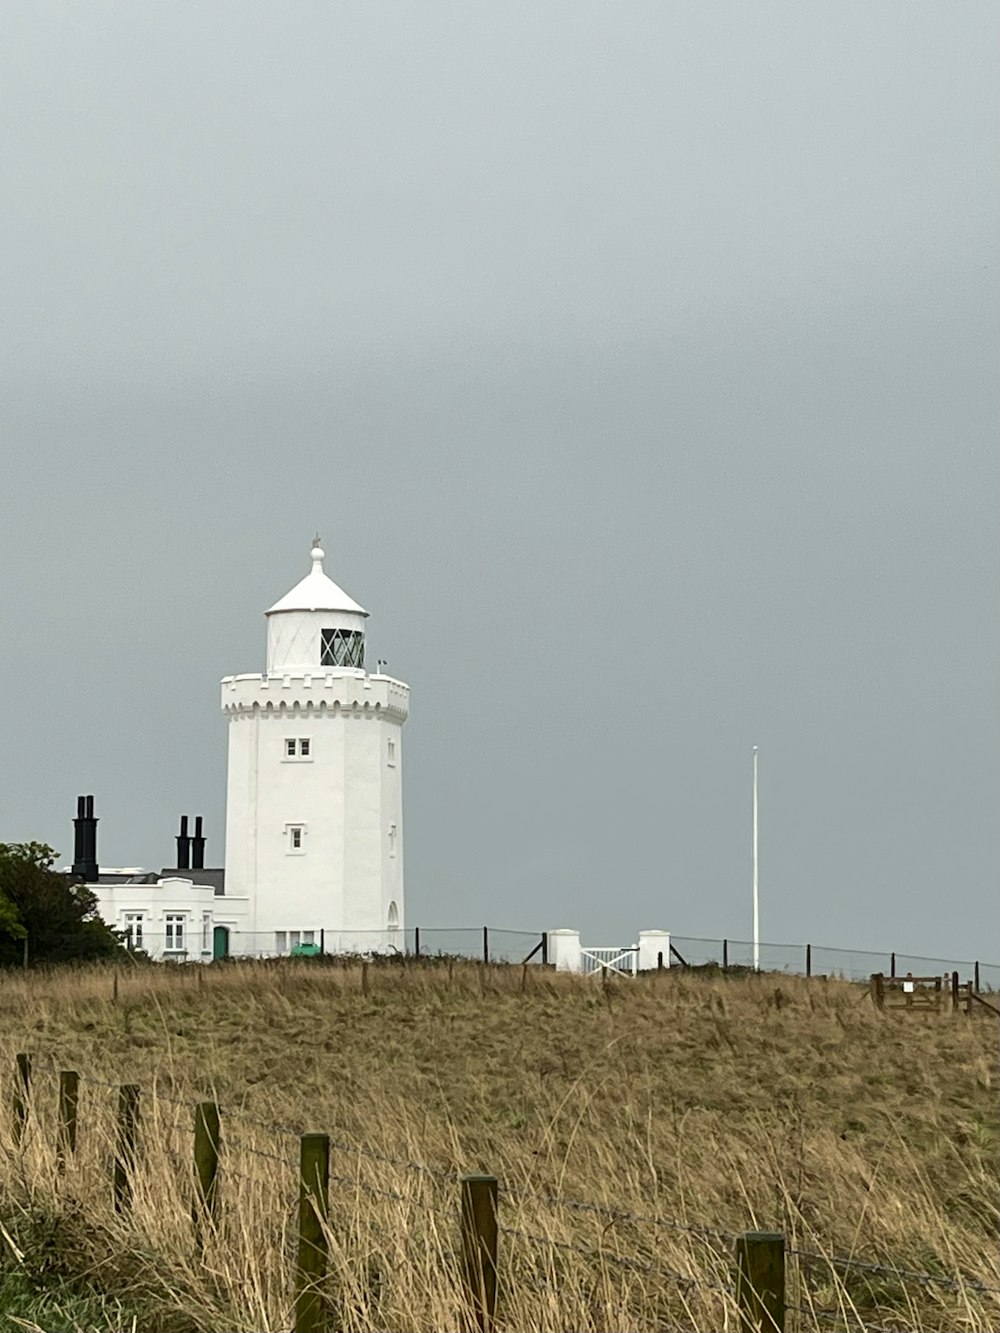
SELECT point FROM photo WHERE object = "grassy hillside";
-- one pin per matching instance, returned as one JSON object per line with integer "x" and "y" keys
{"x": 687, "y": 1102}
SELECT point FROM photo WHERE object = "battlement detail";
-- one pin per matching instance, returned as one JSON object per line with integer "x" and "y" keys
{"x": 321, "y": 691}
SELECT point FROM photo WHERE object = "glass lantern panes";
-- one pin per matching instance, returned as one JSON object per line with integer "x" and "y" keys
{"x": 342, "y": 647}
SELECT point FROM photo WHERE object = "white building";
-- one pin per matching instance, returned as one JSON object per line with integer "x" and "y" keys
{"x": 314, "y": 804}
{"x": 166, "y": 916}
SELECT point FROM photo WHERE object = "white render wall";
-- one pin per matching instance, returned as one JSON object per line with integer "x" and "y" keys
{"x": 565, "y": 950}
{"x": 653, "y": 944}
{"x": 346, "y": 797}
{"x": 293, "y": 638}
{"x": 199, "y": 906}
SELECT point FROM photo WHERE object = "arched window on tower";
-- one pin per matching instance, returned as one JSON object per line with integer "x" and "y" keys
{"x": 393, "y": 918}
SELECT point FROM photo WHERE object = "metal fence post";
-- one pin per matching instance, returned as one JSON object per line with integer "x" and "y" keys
{"x": 725, "y": 954}
{"x": 479, "y": 1247}
{"x": 809, "y": 960}
{"x": 892, "y": 964}
{"x": 314, "y": 1188}
{"x": 416, "y": 941}
{"x": 760, "y": 1281}
{"x": 486, "y": 944}
{"x": 975, "y": 974}
{"x": 545, "y": 953}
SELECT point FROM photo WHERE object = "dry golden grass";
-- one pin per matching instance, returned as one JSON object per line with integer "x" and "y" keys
{"x": 732, "y": 1104}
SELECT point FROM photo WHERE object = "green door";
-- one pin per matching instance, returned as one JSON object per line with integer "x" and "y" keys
{"x": 220, "y": 942}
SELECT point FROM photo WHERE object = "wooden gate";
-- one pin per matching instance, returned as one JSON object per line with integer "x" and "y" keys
{"x": 603, "y": 960}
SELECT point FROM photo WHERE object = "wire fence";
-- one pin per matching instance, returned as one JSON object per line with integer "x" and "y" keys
{"x": 491, "y": 944}
{"x": 218, "y": 1143}
{"x": 188, "y": 942}
{"x": 818, "y": 960}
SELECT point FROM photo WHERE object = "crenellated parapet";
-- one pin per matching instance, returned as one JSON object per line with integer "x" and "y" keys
{"x": 353, "y": 695}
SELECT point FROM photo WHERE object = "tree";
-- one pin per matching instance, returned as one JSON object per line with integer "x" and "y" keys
{"x": 57, "y": 916}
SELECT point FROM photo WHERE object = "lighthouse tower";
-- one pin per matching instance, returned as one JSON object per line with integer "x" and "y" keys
{"x": 314, "y": 806}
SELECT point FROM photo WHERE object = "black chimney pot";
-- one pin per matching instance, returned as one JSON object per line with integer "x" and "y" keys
{"x": 81, "y": 814}
{"x": 85, "y": 865}
{"x": 198, "y": 846}
{"x": 183, "y": 846}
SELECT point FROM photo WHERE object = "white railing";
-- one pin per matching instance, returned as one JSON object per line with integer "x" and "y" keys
{"x": 607, "y": 960}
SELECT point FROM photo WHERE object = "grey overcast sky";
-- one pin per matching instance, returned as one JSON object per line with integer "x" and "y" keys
{"x": 637, "y": 364}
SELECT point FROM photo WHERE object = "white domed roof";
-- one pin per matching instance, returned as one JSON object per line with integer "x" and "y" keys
{"x": 317, "y": 592}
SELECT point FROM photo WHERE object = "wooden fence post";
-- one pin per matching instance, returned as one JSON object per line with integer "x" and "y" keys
{"x": 479, "y": 1247}
{"x": 206, "y": 1167}
{"x": 69, "y": 1097}
{"x": 954, "y": 990}
{"x": 486, "y": 944}
{"x": 725, "y": 954}
{"x": 416, "y": 941}
{"x": 760, "y": 1281}
{"x": 892, "y": 964}
{"x": 22, "y": 1090}
{"x": 126, "y": 1152}
{"x": 314, "y": 1187}
{"x": 545, "y": 952}
{"x": 322, "y": 941}
{"x": 878, "y": 994}
{"x": 975, "y": 974}
{"x": 809, "y": 960}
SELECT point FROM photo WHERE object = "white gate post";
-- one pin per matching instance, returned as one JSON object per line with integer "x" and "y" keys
{"x": 651, "y": 944}
{"x": 564, "y": 950}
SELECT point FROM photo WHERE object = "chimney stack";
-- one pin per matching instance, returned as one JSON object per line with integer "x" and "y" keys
{"x": 198, "y": 846}
{"x": 81, "y": 814}
{"x": 183, "y": 846}
{"x": 85, "y": 867}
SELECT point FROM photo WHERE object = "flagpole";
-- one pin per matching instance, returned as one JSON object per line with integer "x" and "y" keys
{"x": 756, "y": 872}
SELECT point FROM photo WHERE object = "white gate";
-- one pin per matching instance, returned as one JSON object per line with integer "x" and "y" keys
{"x": 606, "y": 960}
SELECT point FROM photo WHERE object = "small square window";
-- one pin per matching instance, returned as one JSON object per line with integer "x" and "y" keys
{"x": 304, "y": 747}
{"x": 392, "y": 752}
{"x": 308, "y": 937}
{"x": 290, "y": 749}
{"x": 296, "y": 838}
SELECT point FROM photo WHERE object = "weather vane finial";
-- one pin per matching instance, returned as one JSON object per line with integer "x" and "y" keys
{"x": 316, "y": 541}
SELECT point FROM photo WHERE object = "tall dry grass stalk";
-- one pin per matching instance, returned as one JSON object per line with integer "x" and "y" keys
{"x": 635, "y": 1127}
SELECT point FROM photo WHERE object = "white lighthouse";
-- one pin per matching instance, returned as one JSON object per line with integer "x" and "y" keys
{"x": 314, "y": 802}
